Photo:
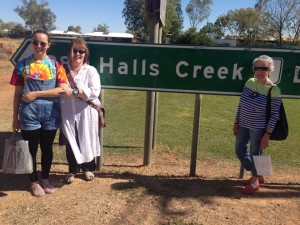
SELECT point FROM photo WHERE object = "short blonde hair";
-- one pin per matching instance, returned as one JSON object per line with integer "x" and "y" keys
{"x": 266, "y": 59}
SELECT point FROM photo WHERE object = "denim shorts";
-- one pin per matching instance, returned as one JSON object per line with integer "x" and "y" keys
{"x": 41, "y": 113}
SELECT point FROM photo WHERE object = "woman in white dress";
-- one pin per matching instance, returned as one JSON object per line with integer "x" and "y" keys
{"x": 79, "y": 119}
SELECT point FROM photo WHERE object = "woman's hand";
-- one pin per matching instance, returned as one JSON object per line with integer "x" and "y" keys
{"x": 264, "y": 143}
{"x": 235, "y": 129}
{"x": 29, "y": 97}
{"x": 66, "y": 92}
{"x": 61, "y": 92}
{"x": 15, "y": 125}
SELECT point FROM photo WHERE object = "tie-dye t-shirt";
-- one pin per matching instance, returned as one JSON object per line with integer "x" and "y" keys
{"x": 44, "y": 70}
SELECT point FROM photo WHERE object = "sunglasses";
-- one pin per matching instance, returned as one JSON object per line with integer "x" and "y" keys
{"x": 79, "y": 51}
{"x": 263, "y": 68}
{"x": 41, "y": 43}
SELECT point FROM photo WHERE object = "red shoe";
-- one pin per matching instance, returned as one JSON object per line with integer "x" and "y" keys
{"x": 249, "y": 189}
{"x": 261, "y": 180}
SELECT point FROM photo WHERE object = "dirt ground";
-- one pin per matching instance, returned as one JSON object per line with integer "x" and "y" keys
{"x": 126, "y": 192}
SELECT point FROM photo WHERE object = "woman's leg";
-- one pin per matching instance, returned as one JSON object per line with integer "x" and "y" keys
{"x": 89, "y": 166}
{"x": 33, "y": 138}
{"x": 255, "y": 139}
{"x": 241, "y": 148}
{"x": 73, "y": 166}
{"x": 46, "y": 143}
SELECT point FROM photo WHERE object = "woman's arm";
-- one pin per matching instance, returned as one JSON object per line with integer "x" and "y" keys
{"x": 55, "y": 92}
{"x": 93, "y": 88}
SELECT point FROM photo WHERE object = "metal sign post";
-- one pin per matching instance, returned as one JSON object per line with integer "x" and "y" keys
{"x": 151, "y": 7}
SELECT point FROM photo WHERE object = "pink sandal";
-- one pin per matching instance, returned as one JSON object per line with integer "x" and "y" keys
{"x": 261, "y": 180}
{"x": 249, "y": 189}
{"x": 37, "y": 190}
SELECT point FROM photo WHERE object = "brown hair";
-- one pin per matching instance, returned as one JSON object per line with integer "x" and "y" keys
{"x": 41, "y": 32}
{"x": 79, "y": 43}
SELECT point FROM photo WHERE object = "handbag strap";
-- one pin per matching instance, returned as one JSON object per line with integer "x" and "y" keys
{"x": 268, "y": 109}
{"x": 70, "y": 76}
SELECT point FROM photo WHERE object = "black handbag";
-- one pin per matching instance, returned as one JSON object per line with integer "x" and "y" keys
{"x": 281, "y": 129}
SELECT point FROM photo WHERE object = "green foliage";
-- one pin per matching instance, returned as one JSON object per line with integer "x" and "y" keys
{"x": 174, "y": 19}
{"x": 192, "y": 37}
{"x": 268, "y": 20}
{"x": 101, "y": 28}
{"x": 36, "y": 16}
{"x": 212, "y": 30}
{"x": 76, "y": 29}
{"x": 187, "y": 37}
{"x": 137, "y": 24}
{"x": 135, "y": 21}
{"x": 242, "y": 23}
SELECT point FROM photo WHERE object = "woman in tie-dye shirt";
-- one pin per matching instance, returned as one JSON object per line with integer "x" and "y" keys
{"x": 39, "y": 80}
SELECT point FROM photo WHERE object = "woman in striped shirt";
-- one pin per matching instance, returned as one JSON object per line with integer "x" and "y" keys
{"x": 250, "y": 124}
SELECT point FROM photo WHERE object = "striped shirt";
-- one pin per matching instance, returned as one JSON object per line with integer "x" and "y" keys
{"x": 251, "y": 112}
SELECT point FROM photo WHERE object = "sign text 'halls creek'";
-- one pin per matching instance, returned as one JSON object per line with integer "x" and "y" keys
{"x": 172, "y": 68}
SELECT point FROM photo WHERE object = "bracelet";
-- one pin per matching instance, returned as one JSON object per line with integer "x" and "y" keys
{"x": 75, "y": 92}
{"x": 236, "y": 123}
{"x": 269, "y": 133}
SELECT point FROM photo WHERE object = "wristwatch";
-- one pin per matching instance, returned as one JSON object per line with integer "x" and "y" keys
{"x": 75, "y": 92}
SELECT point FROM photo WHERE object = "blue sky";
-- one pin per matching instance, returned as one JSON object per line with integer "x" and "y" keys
{"x": 89, "y": 13}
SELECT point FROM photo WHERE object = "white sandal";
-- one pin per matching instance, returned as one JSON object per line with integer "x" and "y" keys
{"x": 69, "y": 178}
{"x": 89, "y": 176}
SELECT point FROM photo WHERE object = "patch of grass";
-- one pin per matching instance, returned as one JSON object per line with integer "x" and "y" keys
{"x": 125, "y": 116}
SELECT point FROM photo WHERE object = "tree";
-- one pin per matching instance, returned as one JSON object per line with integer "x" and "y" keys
{"x": 174, "y": 19}
{"x": 281, "y": 17}
{"x": 212, "y": 30}
{"x": 135, "y": 20}
{"x": 242, "y": 23}
{"x": 198, "y": 10}
{"x": 192, "y": 37}
{"x": 17, "y": 30}
{"x": 260, "y": 4}
{"x": 101, "y": 28}
{"x": 76, "y": 29}
{"x": 293, "y": 29}
{"x": 12, "y": 29}
{"x": 36, "y": 16}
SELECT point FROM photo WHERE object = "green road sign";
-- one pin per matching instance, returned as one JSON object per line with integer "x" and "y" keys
{"x": 190, "y": 69}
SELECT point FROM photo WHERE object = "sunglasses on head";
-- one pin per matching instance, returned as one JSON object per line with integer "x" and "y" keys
{"x": 79, "y": 51}
{"x": 263, "y": 68}
{"x": 41, "y": 43}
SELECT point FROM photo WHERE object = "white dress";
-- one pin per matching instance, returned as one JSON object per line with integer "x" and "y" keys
{"x": 74, "y": 111}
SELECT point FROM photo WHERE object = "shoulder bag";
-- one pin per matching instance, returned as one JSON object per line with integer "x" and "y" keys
{"x": 281, "y": 129}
